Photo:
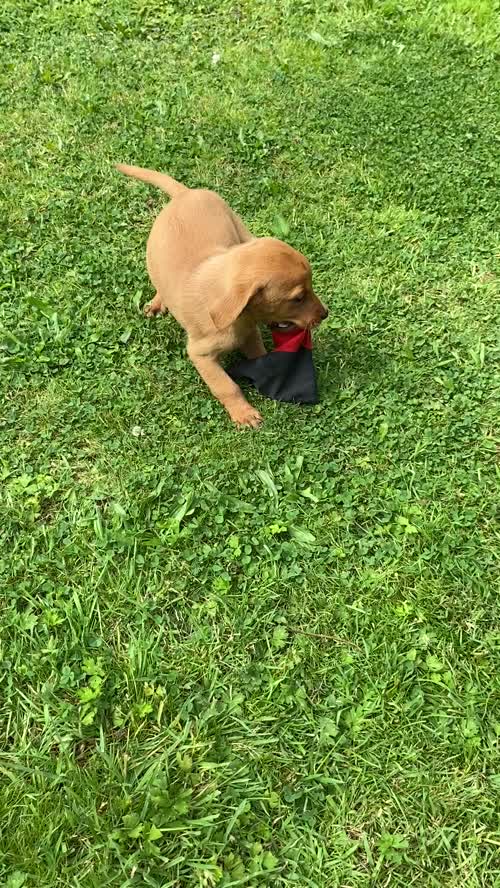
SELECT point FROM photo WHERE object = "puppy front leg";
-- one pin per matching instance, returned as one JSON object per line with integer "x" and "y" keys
{"x": 225, "y": 390}
{"x": 253, "y": 347}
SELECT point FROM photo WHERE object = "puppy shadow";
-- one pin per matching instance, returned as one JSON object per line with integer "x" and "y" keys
{"x": 342, "y": 358}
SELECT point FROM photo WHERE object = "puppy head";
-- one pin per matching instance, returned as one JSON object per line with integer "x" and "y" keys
{"x": 272, "y": 283}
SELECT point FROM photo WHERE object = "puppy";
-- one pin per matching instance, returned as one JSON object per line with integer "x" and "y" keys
{"x": 219, "y": 282}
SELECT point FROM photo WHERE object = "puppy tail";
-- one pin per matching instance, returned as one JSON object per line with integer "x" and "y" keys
{"x": 161, "y": 180}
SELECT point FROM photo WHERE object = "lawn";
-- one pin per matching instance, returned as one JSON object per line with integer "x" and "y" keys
{"x": 251, "y": 658}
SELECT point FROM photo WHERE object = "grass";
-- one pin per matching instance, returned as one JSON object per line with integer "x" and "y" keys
{"x": 269, "y": 658}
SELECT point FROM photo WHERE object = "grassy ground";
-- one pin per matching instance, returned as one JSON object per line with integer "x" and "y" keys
{"x": 251, "y": 658}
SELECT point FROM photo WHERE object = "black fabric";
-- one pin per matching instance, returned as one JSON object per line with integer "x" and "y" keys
{"x": 281, "y": 375}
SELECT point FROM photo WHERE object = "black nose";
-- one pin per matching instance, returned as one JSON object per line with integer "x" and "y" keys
{"x": 324, "y": 313}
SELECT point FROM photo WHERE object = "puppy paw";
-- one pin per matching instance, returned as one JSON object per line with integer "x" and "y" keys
{"x": 148, "y": 311}
{"x": 154, "y": 307}
{"x": 246, "y": 415}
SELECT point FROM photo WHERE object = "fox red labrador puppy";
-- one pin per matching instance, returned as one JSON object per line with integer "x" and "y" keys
{"x": 219, "y": 282}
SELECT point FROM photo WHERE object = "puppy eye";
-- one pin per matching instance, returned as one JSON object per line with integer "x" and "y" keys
{"x": 299, "y": 298}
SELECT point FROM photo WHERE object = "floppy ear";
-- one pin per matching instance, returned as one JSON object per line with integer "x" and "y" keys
{"x": 231, "y": 303}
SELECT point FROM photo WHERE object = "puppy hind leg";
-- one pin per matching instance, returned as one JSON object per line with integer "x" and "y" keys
{"x": 155, "y": 307}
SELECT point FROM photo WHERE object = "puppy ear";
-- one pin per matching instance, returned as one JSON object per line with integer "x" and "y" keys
{"x": 231, "y": 303}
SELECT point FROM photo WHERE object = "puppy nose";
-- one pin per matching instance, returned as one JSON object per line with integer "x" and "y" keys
{"x": 324, "y": 312}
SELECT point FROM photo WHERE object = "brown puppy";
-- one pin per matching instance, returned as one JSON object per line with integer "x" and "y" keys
{"x": 220, "y": 282}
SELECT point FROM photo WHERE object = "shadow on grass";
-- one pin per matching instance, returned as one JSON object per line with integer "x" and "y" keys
{"x": 341, "y": 358}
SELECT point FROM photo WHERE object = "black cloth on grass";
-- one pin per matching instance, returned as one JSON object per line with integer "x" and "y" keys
{"x": 285, "y": 374}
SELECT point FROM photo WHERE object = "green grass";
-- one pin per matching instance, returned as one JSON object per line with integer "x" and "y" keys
{"x": 263, "y": 658}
